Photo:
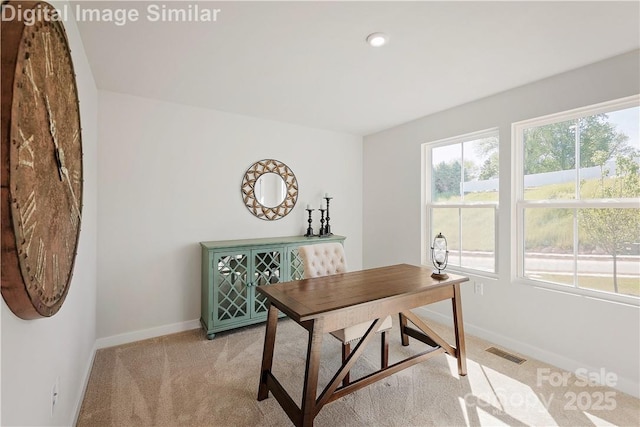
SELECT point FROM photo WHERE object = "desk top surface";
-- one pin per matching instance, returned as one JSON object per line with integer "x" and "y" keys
{"x": 310, "y": 298}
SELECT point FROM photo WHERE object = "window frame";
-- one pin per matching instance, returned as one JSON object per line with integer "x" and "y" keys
{"x": 519, "y": 203}
{"x": 428, "y": 204}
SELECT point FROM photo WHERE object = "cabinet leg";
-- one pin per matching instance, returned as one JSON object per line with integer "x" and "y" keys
{"x": 211, "y": 336}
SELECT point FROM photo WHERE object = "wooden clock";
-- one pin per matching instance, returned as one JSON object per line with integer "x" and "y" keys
{"x": 41, "y": 161}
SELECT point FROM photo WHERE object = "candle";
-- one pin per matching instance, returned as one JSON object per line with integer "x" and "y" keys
{"x": 326, "y": 194}
{"x": 308, "y": 206}
{"x": 323, "y": 205}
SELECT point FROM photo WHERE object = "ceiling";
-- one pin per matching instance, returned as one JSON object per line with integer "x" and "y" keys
{"x": 307, "y": 62}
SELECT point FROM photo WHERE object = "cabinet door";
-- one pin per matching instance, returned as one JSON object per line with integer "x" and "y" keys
{"x": 231, "y": 292}
{"x": 267, "y": 270}
{"x": 294, "y": 265}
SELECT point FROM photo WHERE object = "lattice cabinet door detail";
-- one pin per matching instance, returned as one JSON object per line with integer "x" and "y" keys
{"x": 231, "y": 289}
{"x": 267, "y": 268}
{"x": 296, "y": 269}
{"x": 231, "y": 271}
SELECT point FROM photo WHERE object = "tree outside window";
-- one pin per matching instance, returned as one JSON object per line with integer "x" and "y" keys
{"x": 580, "y": 201}
{"x": 463, "y": 198}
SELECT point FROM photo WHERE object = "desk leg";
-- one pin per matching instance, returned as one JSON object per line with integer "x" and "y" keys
{"x": 459, "y": 330}
{"x": 403, "y": 323}
{"x": 267, "y": 353}
{"x": 311, "y": 374}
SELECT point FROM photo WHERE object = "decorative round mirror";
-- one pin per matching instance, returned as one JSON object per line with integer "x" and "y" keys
{"x": 269, "y": 189}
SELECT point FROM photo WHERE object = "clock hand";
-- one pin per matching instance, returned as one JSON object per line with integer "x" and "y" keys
{"x": 63, "y": 172}
{"x": 52, "y": 131}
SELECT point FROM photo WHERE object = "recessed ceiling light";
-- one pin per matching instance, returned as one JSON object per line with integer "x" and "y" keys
{"x": 377, "y": 39}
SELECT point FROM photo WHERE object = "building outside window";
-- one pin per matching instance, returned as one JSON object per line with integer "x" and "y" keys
{"x": 577, "y": 200}
{"x": 462, "y": 198}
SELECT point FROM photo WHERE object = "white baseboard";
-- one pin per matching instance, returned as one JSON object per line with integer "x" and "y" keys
{"x": 623, "y": 384}
{"x": 85, "y": 383}
{"x": 146, "y": 333}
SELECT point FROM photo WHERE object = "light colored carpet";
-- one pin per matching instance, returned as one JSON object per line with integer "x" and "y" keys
{"x": 186, "y": 380}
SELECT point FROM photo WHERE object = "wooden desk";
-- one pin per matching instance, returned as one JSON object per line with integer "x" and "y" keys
{"x": 330, "y": 303}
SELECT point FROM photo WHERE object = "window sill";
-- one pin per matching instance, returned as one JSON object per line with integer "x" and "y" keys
{"x": 481, "y": 274}
{"x": 581, "y": 292}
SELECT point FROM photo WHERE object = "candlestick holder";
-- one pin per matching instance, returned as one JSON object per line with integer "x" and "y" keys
{"x": 309, "y": 229}
{"x": 327, "y": 227}
{"x": 322, "y": 230}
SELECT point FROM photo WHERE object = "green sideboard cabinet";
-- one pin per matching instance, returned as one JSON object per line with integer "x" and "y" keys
{"x": 231, "y": 270}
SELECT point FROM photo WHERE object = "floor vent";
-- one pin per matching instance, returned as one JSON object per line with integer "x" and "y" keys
{"x": 510, "y": 357}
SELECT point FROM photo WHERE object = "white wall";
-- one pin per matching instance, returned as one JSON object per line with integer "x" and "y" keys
{"x": 169, "y": 177}
{"x": 566, "y": 330}
{"x": 35, "y": 352}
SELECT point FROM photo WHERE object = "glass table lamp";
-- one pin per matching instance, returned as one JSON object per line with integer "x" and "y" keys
{"x": 439, "y": 257}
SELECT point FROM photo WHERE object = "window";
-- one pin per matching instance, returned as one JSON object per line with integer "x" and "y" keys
{"x": 578, "y": 200}
{"x": 462, "y": 198}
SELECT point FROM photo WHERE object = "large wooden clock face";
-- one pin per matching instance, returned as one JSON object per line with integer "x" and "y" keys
{"x": 41, "y": 165}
